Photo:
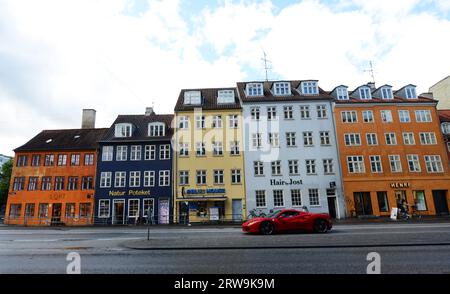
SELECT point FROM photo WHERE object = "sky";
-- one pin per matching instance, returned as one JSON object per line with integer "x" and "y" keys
{"x": 121, "y": 56}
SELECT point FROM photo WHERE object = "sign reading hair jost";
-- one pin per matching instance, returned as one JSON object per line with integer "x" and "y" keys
{"x": 289, "y": 182}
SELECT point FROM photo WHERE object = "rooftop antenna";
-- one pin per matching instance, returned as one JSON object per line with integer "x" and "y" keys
{"x": 266, "y": 66}
{"x": 371, "y": 71}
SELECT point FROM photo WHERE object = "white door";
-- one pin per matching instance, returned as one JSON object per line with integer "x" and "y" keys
{"x": 163, "y": 211}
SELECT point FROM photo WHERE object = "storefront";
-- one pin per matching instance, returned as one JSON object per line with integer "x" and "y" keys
{"x": 202, "y": 205}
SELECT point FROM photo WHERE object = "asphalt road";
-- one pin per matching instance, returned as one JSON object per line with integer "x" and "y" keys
{"x": 403, "y": 248}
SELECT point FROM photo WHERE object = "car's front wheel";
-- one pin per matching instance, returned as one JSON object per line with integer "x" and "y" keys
{"x": 320, "y": 226}
{"x": 267, "y": 228}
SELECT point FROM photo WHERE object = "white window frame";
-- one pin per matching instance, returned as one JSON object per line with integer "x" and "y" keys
{"x": 136, "y": 153}
{"x": 434, "y": 164}
{"x": 123, "y": 130}
{"x": 254, "y": 89}
{"x": 423, "y": 116}
{"x": 386, "y": 116}
{"x": 414, "y": 159}
{"x": 105, "y": 179}
{"x": 404, "y": 116}
{"x": 122, "y": 155}
{"x": 370, "y": 139}
{"x": 428, "y": 138}
{"x": 390, "y": 139}
{"x": 375, "y": 161}
{"x": 122, "y": 177}
{"x": 368, "y": 116}
{"x": 100, "y": 214}
{"x": 138, "y": 208}
{"x": 282, "y": 88}
{"x": 149, "y": 178}
{"x": 164, "y": 178}
{"x": 311, "y": 195}
{"x": 164, "y": 152}
{"x": 356, "y": 163}
{"x": 408, "y": 138}
{"x": 156, "y": 129}
{"x": 395, "y": 163}
{"x": 134, "y": 179}
{"x": 150, "y": 152}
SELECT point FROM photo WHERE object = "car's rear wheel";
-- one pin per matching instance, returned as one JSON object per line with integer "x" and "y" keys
{"x": 320, "y": 226}
{"x": 267, "y": 228}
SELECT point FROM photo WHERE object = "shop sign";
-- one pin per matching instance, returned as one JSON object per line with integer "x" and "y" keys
{"x": 400, "y": 185}
{"x": 204, "y": 191}
{"x": 289, "y": 182}
{"x": 129, "y": 193}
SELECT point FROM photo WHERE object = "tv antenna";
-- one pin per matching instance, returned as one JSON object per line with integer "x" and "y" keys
{"x": 266, "y": 65}
{"x": 371, "y": 71}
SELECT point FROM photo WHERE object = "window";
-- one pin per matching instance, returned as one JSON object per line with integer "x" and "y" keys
{"x": 150, "y": 152}
{"x": 260, "y": 198}
{"x": 133, "y": 207}
{"x": 290, "y": 139}
{"x": 372, "y": 139}
{"x": 386, "y": 93}
{"x": 217, "y": 122}
{"x": 85, "y": 210}
{"x": 49, "y": 160}
{"x": 15, "y": 210}
{"x": 352, "y": 139}
{"x": 386, "y": 116}
{"x": 217, "y": 148}
{"x": 107, "y": 153}
{"x": 254, "y": 89}
{"x": 408, "y": 139}
{"x": 276, "y": 168}
{"x": 271, "y": 113}
{"x": 310, "y": 87}
{"x": 59, "y": 183}
{"x": 149, "y": 206}
{"x": 258, "y": 168}
{"x": 293, "y": 167}
{"x": 355, "y": 164}
{"x": 423, "y": 116}
{"x": 36, "y": 160}
{"x": 308, "y": 139}
{"x": 135, "y": 153}
{"x": 123, "y": 130}
{"x": 328, "y": 166}
{"x": 445, "y": 128}
{"x": 427, "y": 138}
{"x": 225, "y": 96}
{"x": 235, "y": 176}
{"x": 121, "y": 153}
{"x": 349, "y": 116}
{"x": 375, "y": 164}
{"x": 183, "y": 122}
{"x": 70, "y": 210}
{"x": 46, "y": 183}
{"x": 199, "y": 122}
{"x": 200, "y": 149}
{"x": 149, "y": 178}
{"x": 19, "y": 184}
{"x": 43, "y": 210}
{"x": 321, "y": 111}
{"x": 410, "y": 93}
{"x": 314, "y": 199}
{"x": 164, "y": 152}
{"x": 274, "y": 140}
{"x": 383, "y": 203}
{"x": 29, "y": 209}
{"x": 72, "y": 183}
{"x": 342, "y": 93}
{"x": 368, "y": 116}
{"x": 218, "y": 177}
{"x": 310, "y": 166}
{"x": 33, "y": 183}
{"x": 234, "y": 121}
{"x": 103, "y": 208}
{"x": 391, "y": 139}
{"x": 75, "y": 160}
{"x": 278, "y": 199}
{"x": 296, "y": 197}
{"x": 419, "y": 200}
{"x": 255, "y": 113}
{"x": 89, "y": 159}
{"x": 234, "y": 148}
{"x": 192, "y": 98}
{"x": 404, "y": 116}
{"x": 184, "y": 149}
{"x": 395, "y": 163}
{"x": 184, "y": 177}
{"x": 282, "y": 88}
{"x": 304, "y": 112}
{"x": 22, "y": 160}
{"x": 201, "y": 177}
{"x": 325, "y": 138}
{"x": 413, "y": 162}
{"x": 120, "y": 179}
{"x": 433, "y": 163}
{"x": 156, "y": 129}
{"x": 164, "y": 178}
{"x": 135, "y": 179}
{"x": 87, "y": 183}
{"x": 105, "y": 179}
{"x": 288, "y": 112}
{"x": 364, "y": 93}
{"x": 257, "y": 140}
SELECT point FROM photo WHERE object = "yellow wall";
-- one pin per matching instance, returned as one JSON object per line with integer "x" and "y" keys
{"x": 441, "y": 92}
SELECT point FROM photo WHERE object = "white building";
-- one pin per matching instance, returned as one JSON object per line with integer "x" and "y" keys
{"x": 4, "y": 159}
{"x": 291, "y": 157}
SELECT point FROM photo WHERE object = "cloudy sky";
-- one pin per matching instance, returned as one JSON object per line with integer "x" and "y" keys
{"x": 119, "y": 56}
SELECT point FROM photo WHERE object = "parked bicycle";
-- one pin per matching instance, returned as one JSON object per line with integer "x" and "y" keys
{"x": 254, "y": 213}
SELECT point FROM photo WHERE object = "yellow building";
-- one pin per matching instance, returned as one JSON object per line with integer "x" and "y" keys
{"x": 441, "y": 92}
{"x": 209, "y": 161}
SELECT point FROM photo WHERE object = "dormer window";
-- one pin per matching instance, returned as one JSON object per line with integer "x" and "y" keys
{"x": 364, "y": 93}
{"x": 225, "y": 96}
{"x": 282, "y": 88}
{"x": 123, "y": 130}
{"x": 386, "y": 93}
{"x": 342, "y": 93}
{"x": 192, "y": 98}
{"x": 156, "y": 129}
{"x": 411, "y": 93}
{"x": 309, "y": 88}
{"x": 254, "y": 89}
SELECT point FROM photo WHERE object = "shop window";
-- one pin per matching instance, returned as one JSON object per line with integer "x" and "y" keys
{"x": 419, "y": 200}
{"x": 383, "y": 203}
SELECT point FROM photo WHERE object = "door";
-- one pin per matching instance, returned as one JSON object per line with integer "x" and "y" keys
{"x": 237, "y": 210}
{"x": 440, "y": 202}
{"x": 332, "y": 206}
{"x": 119, "y": 212}
{"x": 363, "y": 203}
{"x": 163, "y": 211}
{"x": 184, "y": 212}
{"x": 56, "y": 213}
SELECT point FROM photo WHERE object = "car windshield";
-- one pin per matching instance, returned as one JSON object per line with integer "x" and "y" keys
{"x": 273, "y": 214}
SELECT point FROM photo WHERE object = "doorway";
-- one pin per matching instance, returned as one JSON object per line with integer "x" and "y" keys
{"x": 163, "y": 211}
{"x": 118, "y": 212}
{"x": 363, "y": 203}
{"x": 56, "y": 213}
{"x": 400, "y": 195}
{"x": 332, "y": 206}
{"x": 440, "y": 202}
{"x": 237, "y": 210}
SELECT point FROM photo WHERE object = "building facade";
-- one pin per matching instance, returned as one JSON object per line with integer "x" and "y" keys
{"x": 391, "y": 151}
{"x": 209, "y": 161}
{"x": 134, "y": 171}
{"x": 291, "y": 158}
{"x": 441, "y": 92}
{"x": 53, "y": 178}
{"x": 444, "y": 116}
{"x": 4, "y": 159}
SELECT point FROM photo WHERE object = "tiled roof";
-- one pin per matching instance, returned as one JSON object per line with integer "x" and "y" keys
{"x": 72, "y": 139}
{"x": 269, "y": 97}
{"x": 209, "y": 100}
{"x": 140, "y": 132}
{"x": 444, "y": 115}
{"x": 397, "y": 99}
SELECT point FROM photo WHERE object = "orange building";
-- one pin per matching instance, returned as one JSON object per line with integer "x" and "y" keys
{"x": 53, "y": 178}
{"x": 391, "y": 150}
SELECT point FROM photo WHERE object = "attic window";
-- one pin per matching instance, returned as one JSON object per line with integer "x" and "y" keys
{"x": 310, "y": 88}
{"x": 225, "y": 96}
{"x": 342, "y": 93}
{"x": 254, "y": 89}
{"x": 192, "y": 98}
{"x": 411, "y": 93}
{"x": 156, "y": 129}
{"x": 364, "y": 93}
{"x": 123, "y": 130}
{"x": 386, "y": 93}
{"x": 282, "y": 88}
{"x": 49, "y": 141}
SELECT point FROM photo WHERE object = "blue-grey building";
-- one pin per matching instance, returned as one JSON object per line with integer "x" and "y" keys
{"x": 134, "y": 170}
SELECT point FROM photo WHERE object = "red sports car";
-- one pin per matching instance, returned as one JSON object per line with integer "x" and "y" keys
{"x": 289, "y": 220}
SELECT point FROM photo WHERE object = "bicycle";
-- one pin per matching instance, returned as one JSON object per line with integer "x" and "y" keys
{"x": 254, "y": 213}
